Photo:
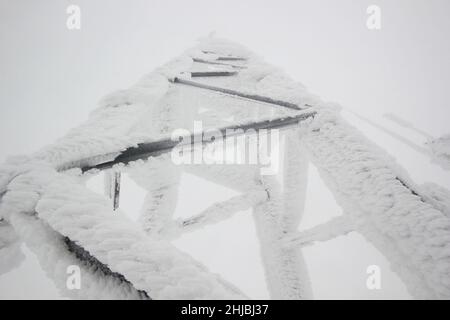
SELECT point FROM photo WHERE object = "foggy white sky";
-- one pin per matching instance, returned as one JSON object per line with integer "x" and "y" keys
{"x": 51, "y": 78}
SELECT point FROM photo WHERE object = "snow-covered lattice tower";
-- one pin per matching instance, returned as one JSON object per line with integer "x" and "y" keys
{"x": 46, "y": 204}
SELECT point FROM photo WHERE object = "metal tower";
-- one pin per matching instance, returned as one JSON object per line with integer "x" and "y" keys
{"x": 237, "y": 97}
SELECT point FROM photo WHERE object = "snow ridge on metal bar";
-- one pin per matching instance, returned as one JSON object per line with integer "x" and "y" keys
{"x": 231, "y": 59}
{"x": 85, "y": 257}
{"x": 239, "y": 94}
{"x": 155, "y": 148}
{"x": 198, "y": 60}
{"x": 196, "y": 74}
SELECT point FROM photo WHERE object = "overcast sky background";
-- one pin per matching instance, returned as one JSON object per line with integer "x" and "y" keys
{"x": 51, "y": 78}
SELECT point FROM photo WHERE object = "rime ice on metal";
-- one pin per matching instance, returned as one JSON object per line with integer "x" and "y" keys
{"x": 45, "y": 203}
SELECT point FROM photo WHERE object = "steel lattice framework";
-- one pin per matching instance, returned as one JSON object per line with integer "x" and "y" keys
{"x": 378, "y": 199}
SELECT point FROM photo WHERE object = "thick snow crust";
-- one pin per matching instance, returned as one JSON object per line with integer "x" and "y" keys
{"x": 43, "y": 198}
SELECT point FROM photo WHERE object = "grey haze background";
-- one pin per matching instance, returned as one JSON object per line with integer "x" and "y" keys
{"x": 51, "y": 78}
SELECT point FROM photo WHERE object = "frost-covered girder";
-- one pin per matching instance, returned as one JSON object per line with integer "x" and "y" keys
{"x": 198, "y": 60}
{"x": 38, "y": 194}
{"x": 409, "y": 230}
{"x": 331, "y": 229}
{"x": 156, "y": 148}
{"x": 199, "y": 74}
{"x": 250, "y": 96}
{"x": 91, "y": 262}
{"x": 221, "y": 211}
{"x": 40, "y": 188}
{"x": 67, "y": 209}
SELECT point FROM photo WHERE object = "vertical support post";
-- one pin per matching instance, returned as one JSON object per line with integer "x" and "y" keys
{"x": 160, "y": 177}
{"x": 285, "y": 269}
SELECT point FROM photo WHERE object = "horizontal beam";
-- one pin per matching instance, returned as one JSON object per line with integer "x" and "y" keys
{"x": 249, "y": 96}
{"x": 198, "y": 60}
{"x": 145, "y": 150}
{"x": 198, "y": 74}
{"x": 231, "y": 59}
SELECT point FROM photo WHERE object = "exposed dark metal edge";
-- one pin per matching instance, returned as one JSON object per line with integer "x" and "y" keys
{"x": 231, "y": 59}
{"x": 116, "y": 194}
{"x": 86, "y": 258}
{"x": 208, "y": 52}
{"x": 197, "y": 74}
{"x": 411, "y": 189}
{"x": 239, "y": 94}
{"x": 198, "y": 60}
{"x": 156, "y": 148}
